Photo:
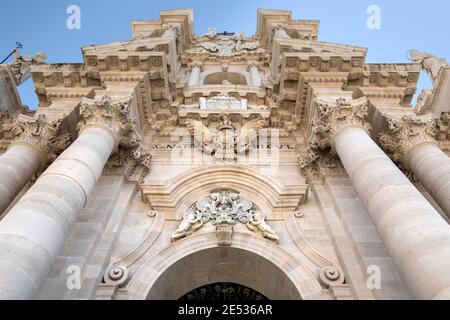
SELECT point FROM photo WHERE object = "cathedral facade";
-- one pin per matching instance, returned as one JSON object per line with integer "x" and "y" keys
{"x": 222, "y": 166}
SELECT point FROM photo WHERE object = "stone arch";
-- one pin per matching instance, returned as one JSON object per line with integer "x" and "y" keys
{"x": 197, "y": 261}
{"x": 181, "y": 191}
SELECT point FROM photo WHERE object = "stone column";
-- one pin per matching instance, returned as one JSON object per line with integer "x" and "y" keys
{"x": 194, "y": 78}
{"x": 36, "y": 140}
{"x": 411, "y": 142}
{"x": 417, "y": 237}
{"x": 254, "y": 73}
{"x": 33, "y": 232}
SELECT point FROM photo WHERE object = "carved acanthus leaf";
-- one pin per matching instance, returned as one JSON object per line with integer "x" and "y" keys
{"x": 41, "y": 133}
{"x": 405, "y": 133}
{"x": 333, "y": 116}
{"x": 131, "y": 158}
{"x": 317, "y": 161}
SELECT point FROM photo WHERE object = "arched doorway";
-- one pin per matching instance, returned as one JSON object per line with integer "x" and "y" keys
{"x": 223, "y": 265}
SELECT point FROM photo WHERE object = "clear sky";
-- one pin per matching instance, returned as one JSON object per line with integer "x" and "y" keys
{"x": 405, "y": 24}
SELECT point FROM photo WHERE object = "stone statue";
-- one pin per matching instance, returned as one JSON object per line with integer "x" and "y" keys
{"x": 191, "y": 223}
{"x": 20, "y": 68}
{"x": 259, "y": 225}
{"x": 430, "y": 63}
{"x": 212, "y": 33}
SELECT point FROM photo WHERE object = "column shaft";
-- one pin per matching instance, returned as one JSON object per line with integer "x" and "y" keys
{"x": 17, "y": 166}
{"x": 256, "y": 77}
{"x": 34, "y": 231}
{"x": 194, "y": 78}
{"x": 417, "y": 238}
{"x": 432, "y": 167}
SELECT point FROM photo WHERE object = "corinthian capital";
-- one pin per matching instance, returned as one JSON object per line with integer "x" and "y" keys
{"x": 406, "y": 132}
{"x": 41, "y": 134}
{"x": 333, "y": 116}
{"x": 113, "y": 115}
{"x": 131, "y": 156}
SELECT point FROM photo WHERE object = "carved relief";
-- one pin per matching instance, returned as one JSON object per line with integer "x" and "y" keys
{"x": 319, "y": 160}
{"x": 227, "y": 46}
{"x": 332, "y": 117}
{"x": 225, "y": 142}
{"x": 224, "y": 208}
{"x": 406, "y": 132}
{"x": 41, "y": 133}
{"x": 131, "y": 158}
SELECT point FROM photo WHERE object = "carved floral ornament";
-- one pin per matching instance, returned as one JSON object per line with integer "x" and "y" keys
{"x": 405, "y": 133}
{"x": 131, "y": 158}
{"x": 224, "y": 208}
{"x": 331, "y": 117}
{"x": 42, "y": 134}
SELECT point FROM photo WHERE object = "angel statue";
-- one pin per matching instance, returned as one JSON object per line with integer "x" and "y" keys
{"x": 191, "y": 223}
{"x": 225, "y": 142}
{"x": 430, "y": 63}
{"x": 258, "y": 224}
{"x": 211, "y": 34}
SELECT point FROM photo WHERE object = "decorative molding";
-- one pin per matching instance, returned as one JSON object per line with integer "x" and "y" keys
{"x": 224, "y": 207}
{"x": 405, "y": 133}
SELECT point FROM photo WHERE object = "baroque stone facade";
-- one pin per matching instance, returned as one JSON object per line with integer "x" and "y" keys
{"x": 217, "y": 166}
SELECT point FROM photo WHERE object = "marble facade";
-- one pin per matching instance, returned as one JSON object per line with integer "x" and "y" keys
{"x": 278, "y": 162}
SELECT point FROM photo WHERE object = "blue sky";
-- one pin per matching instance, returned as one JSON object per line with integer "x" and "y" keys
{"x": 405, "y": 24}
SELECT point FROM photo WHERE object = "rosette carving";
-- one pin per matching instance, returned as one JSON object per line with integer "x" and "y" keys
{"x": 116, "y": 275}
{"x": 330, "y": 276}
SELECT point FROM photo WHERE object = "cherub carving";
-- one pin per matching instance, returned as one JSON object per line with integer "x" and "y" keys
{"x": 212, "y": 33}
{"x": 258, "y": 224}
{"x": 191, "y": 223}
